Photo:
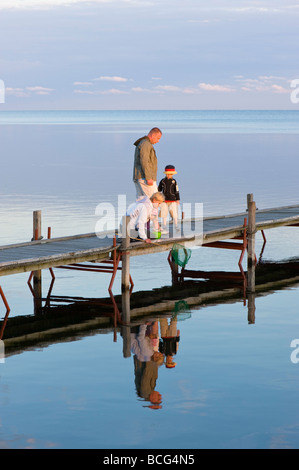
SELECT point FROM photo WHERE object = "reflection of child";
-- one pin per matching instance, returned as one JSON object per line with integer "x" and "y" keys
{"x": 169, "y": 187}
{"x": 170, "y": 338}
{"x": 153, "y": 334}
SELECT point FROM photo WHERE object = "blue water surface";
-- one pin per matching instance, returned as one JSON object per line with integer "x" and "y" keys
{"x": 188, "y": 121}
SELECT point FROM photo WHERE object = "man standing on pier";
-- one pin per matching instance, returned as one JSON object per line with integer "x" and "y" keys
{"x": 146, "y": 164}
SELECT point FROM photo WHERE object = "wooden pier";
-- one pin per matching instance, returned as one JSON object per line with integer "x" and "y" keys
{"x": 110, "y": 253}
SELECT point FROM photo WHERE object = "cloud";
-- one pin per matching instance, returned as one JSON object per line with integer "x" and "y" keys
{"x": 264, "y": 83}
{"x": 260, "y": 84}
{"x": 176, "y": 89}
{"x": 260, "y": 7}
{"x": 18, "y": 92}
{"x": 111, "y": 91}
{"x": 49, "y": 4}
{"x": 217, "y": 88}
{"x": 39, "y": 90}
{"x": 139, "y": 89}
{"x": 28, "y": 91}
{"x": 279, "y": 89}
{"x": 190, "y": 91}
{"x": 272, "y": 77}
{"x": 82, "y": 83}
{"x": 111, "y": 79}
{"x": 167, "y": 88}
{"x": 114, "y": 91}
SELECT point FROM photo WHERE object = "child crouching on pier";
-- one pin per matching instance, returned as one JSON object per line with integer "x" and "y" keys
{"x": 142, "y": 211}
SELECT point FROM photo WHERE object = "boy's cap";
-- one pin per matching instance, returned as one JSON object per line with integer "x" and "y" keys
{"x": 170, "y": 170}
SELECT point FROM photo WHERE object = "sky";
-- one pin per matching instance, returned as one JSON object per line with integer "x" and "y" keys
{"x": 148, "y": 54}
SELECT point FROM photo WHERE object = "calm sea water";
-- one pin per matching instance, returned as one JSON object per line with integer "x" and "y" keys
{"x": 234, "y": 385}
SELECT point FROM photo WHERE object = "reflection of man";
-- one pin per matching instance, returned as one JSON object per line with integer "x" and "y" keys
{"x": 146, "y": 363}
{"x": 170, "y": 337}
{"x": 146, "y": 164}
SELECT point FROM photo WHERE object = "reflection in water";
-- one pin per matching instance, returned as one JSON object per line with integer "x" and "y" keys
{"x": 153, "y": 343}
{"x": 170, "y": 338}
{"x": 61, "y": 314}
{"x": 151, "y": 351}
{"x": 147, "y": 360}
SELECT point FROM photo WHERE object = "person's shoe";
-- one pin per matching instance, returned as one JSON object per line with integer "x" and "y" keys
{"x": 163, "y": 231}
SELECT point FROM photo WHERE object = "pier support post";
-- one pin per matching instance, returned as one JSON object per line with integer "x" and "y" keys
{"x": 37, "y": 275}
{"x": 251, "y": 243}
{"x": 125, "y": 270}
{"x": 174, "y": 274}
{"x": 37, "y": 225}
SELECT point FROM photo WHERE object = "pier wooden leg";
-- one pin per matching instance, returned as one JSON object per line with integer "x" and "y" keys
{"x": 37, "y": 289}
{"x": 125, "y": 271}
{"x": 37, "y": 275}
{"x": 174, "y": 269}
{"x": 251, "y": 258}
{"x": 174, "y": 274}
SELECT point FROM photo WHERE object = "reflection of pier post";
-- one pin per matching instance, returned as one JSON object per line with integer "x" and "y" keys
{"x": 37, "y": 275}
{"x": 125, "y": 287}
{"x": 251, "y": 307}
{"x": 125, "y": 270}
{"x": 126, "y": 335}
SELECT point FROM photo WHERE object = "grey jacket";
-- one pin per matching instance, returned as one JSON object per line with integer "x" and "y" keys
{"x": 145, "y": 161}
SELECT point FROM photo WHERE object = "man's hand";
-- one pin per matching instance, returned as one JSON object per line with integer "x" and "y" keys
{"x": 150, "y": 182}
